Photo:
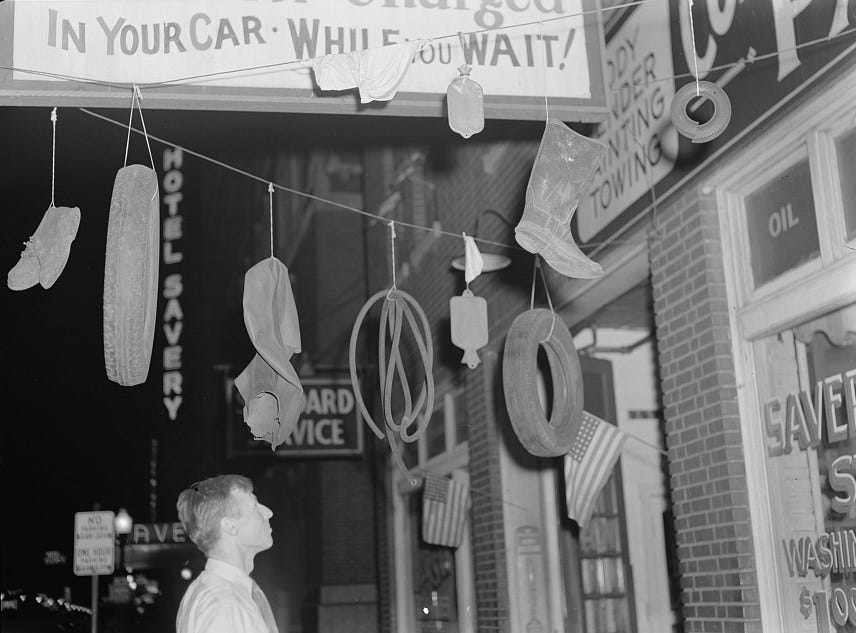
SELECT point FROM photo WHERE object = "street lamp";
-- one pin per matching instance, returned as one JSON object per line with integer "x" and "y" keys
{"x": 123, "y": 523}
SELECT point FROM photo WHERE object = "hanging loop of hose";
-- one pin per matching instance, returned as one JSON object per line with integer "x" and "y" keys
{"x": 398, "y": 308}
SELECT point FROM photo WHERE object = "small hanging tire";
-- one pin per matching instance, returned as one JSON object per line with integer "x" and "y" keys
{"x": 131, "y": 275}
{"x": 540, "y": 436}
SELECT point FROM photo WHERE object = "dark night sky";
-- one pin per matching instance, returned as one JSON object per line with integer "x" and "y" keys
{"x": 70, "y": 437}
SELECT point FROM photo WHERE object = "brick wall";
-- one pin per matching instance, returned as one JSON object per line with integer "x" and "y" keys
{"x": 347, "y": 525}
{"x": 472, "y": 177}
{"x": 708, "y": 479}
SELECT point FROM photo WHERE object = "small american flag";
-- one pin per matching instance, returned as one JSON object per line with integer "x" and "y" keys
{"x": 591, "y": 459}
{"x": 445, "y": 504}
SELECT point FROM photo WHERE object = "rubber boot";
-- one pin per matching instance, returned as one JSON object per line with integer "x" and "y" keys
{"x": 564, "y": 167}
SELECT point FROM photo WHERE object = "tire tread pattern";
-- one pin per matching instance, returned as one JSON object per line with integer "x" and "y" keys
{"x": 131, "y": 275}
{"x": 537, "y": 434}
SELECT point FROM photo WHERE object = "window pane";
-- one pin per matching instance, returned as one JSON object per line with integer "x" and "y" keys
{"x": 804, "y": 382}
{"x": 846, "y": 150}
{"x": 782, "y": 227}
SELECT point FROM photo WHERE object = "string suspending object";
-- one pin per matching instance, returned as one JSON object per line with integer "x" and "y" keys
{"x": 535, "y": 270}
{"x": 270, "y": 195}
{"x": 53, "y": 154}
{"x": 544, "y": 71}
{"x": 695, "y": 53}
{"x": 137, "y": 96}
{"x": 392, "y": 251}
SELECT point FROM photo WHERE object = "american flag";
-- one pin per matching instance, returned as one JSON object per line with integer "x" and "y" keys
{"x": 445, "y": 504}
{"x": 591, "y": 459}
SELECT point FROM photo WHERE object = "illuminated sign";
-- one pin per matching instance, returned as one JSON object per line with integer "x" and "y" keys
{"x": 329, "y": 426}
{"x": 173, "y": 283}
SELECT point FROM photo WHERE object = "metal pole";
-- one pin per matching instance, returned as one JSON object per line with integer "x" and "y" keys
{"x": 94, "y": 620}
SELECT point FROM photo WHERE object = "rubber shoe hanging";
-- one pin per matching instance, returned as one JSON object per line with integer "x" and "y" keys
{"x": 269, "y": 385}
{"x": 46, "y": 252}
{"x": 465, "y": 103}
{"x": 564, "y": 167}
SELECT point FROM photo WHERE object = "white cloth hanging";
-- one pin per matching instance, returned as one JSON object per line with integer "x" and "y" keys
{"x": 473, "y": 264}
{"x": 377, "y": 72}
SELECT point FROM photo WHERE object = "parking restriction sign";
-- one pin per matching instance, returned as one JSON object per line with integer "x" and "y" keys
{"x": 93, "y": 543}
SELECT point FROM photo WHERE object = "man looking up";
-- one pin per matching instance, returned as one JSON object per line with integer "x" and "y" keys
{"x": 227, "y": 523}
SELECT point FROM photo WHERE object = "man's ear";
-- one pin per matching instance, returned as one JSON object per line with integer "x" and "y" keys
{"x": 229, "y": 525}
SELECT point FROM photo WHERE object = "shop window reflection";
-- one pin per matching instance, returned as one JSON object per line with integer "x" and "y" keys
{"x": 827, "y": 359}
{"x": 813, "y": 537}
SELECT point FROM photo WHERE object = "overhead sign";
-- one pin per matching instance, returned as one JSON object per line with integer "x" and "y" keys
{"x": 639, "y": 89}
{"x": 94, "y": 551}
{"x": 761, "y": 52}
{"x": 330, "y": 425}
{"x": 252, "y": 55}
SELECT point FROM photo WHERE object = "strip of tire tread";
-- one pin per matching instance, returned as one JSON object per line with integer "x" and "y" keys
{"x": 131, "y": 275}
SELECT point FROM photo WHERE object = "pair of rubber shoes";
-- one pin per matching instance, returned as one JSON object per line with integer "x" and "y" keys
{"x": 46, "y": 252}
{"x": 563, "y": 170}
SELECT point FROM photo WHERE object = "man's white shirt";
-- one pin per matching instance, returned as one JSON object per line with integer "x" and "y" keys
{"x": 224, "y": 599}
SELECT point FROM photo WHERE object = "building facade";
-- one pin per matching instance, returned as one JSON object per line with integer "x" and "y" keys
{"x": 722, "y": 331}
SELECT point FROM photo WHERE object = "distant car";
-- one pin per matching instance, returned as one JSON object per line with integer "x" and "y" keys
{"x": 30, "y": 616}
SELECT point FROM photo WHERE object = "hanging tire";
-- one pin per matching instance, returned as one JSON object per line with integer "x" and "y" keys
{"x": 540, "y": 436}
{"x": 131, "y": 275}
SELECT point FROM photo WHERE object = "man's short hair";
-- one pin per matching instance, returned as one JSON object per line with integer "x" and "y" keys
{"x": 201, "y": 507}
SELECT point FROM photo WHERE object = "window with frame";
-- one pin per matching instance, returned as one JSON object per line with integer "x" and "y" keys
{"x": 788, "y": 214}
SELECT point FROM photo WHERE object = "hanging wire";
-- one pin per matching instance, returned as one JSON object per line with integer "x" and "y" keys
{"x": 695, "y": 53}
{"x": 137, "y": 96}
{"x": 466, "y": 259}
{"x": 544, "y": 72}
{"x": 53, "y": 154}
{"x": 537, "y": 268}
{"x": 392, "y": 249}
{"x": 596, "y": 246}
{"x": 143, "y": 121}
{"x": 270, "y": 195}
{"x": 130, "y": 120}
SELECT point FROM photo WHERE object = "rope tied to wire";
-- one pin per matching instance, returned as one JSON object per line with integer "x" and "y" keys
{"x": 137, "y": 96}
{"x": 53, "y": 154}
{"x": 270, "y": 196}
{"x": 398, "y": 307}
{"x": 535, "y": 270}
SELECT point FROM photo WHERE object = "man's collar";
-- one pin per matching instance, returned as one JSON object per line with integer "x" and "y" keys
{"x": 229, "y": 572}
